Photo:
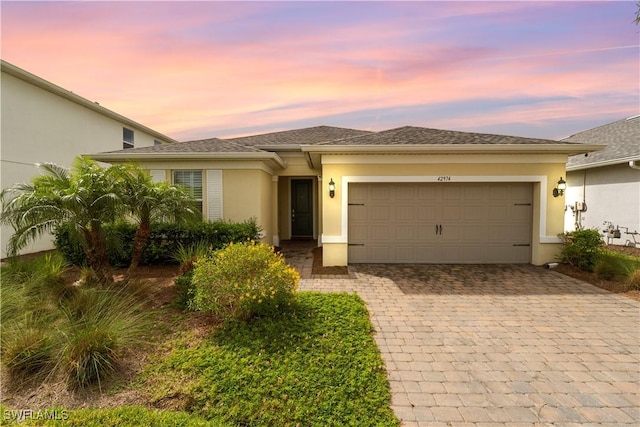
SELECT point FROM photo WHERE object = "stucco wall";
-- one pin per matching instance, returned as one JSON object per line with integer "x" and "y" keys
{"x": 38, "y": 126}
{"x": 612, "y": 193}
{"x": 542, "y": 170}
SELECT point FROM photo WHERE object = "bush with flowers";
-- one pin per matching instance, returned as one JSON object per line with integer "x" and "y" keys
{"x": 243, "y": 280}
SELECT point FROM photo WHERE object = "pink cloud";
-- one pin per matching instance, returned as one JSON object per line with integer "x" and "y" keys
{"x": 174, "y": 71}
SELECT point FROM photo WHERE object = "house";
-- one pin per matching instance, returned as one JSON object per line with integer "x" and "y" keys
{"x": 42, "y": 122}
{"x": 603, "y": 188}
{"x": 409, "y": 194}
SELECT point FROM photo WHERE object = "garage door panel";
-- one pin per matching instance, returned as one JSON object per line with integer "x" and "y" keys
{"x": 473, "y": 213}
{"x": 379, "y": 251}
{"x": 405, "y": 193}
{"x": 425, "y": 233}
{"x": 358, "y": 213}
{"x": 520, "y": 214}
{"x": 425, "y": 253}
{"x": 381, "y": 213}
{"x": 405, "y": 233}
{"x": 358, "y": 233}
{"x": 472, "y": 234}
{"x": 480, "y": 222}
{"x": 452, "y": 213}
{"x": 499, "y": 213}
{"x": 426, "y": 193}
{"x": 380, "y": 193}
{"x": 452, "y": 193}
{"x": 405, "y": 213}
{"x": 381, "y": 233}
{"x": 428, "y": 213}
{"x": 358, "y": 193}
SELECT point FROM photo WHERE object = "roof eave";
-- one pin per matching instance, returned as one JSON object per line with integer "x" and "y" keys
{"x": 569, "y": 149}
{"x": 124, "y": 157}
{"x": 279, "y": 147}
{"x": 604, "y": 163}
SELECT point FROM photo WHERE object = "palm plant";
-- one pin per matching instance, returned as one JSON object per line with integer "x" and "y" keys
{"x": 147, "y": 201}
{"x": 84, "y": 197}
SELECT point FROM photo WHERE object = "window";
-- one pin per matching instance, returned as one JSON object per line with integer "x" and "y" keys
{"x": 127, "y": 138}
{"x": 156, "y": 142}
{"x": 192, "y": 181}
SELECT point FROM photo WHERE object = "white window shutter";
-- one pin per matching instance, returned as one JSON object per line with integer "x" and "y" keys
{"x": 158, "y": 175}
{"x": 214, "y": 194}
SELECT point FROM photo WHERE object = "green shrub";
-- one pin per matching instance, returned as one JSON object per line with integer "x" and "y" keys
{"x": 164, "y": 243}
{"x": 186, "y": 291}
{"x": 581, "y": 248}
{"x": 244, "y": 280}
{"x": 49, "y": 327}
{"x": 91, "y": 356}
{"x": 633, "y": 281}
{"x": 102, "y": 324}
{"x": 611, "y": 266}
{"x": 186, "y": 256}
{"x": 26, "y": 352}
{"x": 32, "y": 288}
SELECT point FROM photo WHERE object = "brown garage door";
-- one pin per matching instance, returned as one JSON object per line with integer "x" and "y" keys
{"x": 440, "y": 223}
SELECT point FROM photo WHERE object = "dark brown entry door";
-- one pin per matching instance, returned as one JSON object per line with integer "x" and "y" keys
{"x": 301, "y": 208}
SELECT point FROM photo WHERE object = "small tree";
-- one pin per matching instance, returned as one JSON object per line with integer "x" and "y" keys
{"x": 84, "y": 197}
{"x": 147, "y": 201}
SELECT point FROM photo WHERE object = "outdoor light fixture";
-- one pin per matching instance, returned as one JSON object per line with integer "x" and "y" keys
{"x": 559, "y": 190}
{"x": 332, "y": 188}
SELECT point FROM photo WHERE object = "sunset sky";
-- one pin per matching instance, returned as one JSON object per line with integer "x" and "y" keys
{"x": 196, "y": 70}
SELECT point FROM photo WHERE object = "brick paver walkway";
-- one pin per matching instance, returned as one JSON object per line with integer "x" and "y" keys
{"x": 489, "y": 346}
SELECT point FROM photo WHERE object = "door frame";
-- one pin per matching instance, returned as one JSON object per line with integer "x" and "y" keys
{"x": 314, "y": 217}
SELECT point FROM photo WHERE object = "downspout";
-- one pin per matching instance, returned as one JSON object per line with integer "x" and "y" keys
{"x": 634, "y": 164}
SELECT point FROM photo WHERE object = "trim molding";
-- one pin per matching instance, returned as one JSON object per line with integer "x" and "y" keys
{"x": 350, "y": 159}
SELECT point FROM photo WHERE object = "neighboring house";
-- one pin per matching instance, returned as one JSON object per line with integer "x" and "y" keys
{"x": 604, "y": 187}
{"x": 42, "y": 122}
{"x": 410, "y": 194}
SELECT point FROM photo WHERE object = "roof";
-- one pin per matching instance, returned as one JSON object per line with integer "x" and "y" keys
{"x": 622, "y": 139}
{"x": 297, "y": 137}
{"x": 26, "y": 76}
{"x": 411, "y": 135}
{"x": 327, "y": 139}
{"x": 211, "y": 145}
{"x": 204, "y": 149}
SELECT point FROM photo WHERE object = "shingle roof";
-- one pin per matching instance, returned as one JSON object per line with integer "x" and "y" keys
{"x": 306, "y": 136}
{"x": 211, "y": 145}
{"x": 622, "y": 139}
{"x": 411, "y": 135}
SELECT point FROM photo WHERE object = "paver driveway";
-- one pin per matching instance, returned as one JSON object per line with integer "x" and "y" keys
{"x": 500, "y": 345}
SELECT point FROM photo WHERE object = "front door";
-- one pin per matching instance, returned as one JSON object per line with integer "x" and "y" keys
{"x": 301, "y": 208}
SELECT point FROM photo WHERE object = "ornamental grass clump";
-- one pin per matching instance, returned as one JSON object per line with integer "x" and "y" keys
{"x": 242, "y": 281}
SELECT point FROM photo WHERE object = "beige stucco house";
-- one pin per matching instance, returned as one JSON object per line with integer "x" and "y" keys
{"x": 42, "y": 122}
{"x": 411, "y": 194}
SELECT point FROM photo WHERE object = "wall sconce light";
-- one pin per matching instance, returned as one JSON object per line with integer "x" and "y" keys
{"x": 332, "y": 188}
{"x": 559, "y": 190}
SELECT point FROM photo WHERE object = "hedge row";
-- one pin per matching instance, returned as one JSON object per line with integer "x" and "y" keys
{"x": 164, "y": 242}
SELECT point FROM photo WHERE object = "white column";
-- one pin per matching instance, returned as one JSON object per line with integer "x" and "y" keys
{"x": 274, "y": 210}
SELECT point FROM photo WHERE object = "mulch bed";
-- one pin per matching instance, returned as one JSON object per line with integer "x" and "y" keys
{"x": 609, "y": 285}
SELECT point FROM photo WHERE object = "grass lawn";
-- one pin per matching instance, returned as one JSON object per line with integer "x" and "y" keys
{"x": 315, "y": 365}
